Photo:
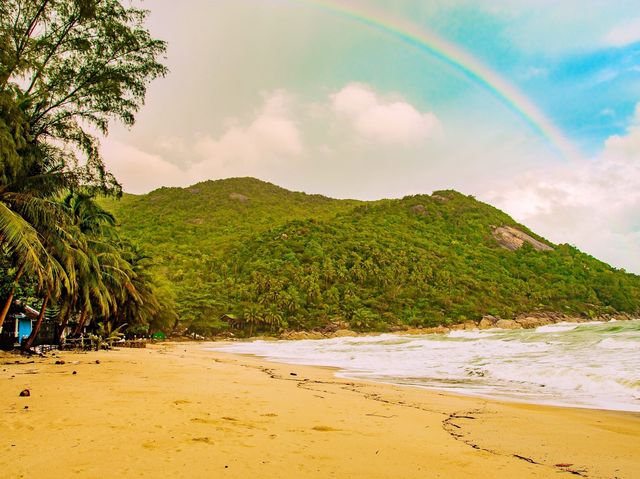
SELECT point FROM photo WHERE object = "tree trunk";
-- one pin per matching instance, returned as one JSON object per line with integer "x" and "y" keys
{"x": 63, "y": 323}
{"x": 81, "y": 322}
{"x": 7, "y": 304}
{"x": 36, "y": 328}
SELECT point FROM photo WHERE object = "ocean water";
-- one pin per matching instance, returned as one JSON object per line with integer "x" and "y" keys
{"x": 593, "y": 365}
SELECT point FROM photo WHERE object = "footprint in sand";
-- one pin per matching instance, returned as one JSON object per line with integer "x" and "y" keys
{"x": 203, "y": 420}
{"x": 204, "y": 440}
{"x": 324, "y": 429}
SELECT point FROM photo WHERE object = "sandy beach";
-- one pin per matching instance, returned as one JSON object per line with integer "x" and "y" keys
{"x": 176, "y": 410}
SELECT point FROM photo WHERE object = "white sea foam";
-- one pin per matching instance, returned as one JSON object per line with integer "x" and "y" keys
{"x": 472, "y": 334}
{"x": 585, "y": 365}
{"x": 558, "y": 327}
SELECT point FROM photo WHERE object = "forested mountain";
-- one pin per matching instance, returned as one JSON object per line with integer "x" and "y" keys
{"x": 272, "y": 259}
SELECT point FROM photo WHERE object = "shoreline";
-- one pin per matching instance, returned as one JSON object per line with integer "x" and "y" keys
{"x": 337, "y": 373}
{"x": 177, "y": 410}
{"x": 526, "y": 321}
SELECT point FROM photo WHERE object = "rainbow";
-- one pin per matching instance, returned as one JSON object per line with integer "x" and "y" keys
{"x": 452, "y": 55}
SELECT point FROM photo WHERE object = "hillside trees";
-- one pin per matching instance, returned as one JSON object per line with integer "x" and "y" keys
{"x": 280, "y": 260}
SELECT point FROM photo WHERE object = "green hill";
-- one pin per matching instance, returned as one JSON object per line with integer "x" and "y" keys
{"x": 273, "y": 259}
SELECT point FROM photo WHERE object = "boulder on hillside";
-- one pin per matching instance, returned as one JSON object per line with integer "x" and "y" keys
{"x": 513, "y": 239}
{"x": 419, "y": 210}
{"x": 238, "y": 197}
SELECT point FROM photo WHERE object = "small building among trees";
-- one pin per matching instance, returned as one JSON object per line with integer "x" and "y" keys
{"x": 19, "y": 325}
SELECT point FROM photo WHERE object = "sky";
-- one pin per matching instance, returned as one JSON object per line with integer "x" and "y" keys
{"x": 530, "y": 105}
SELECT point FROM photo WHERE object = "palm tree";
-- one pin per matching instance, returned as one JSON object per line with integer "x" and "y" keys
{"x": 252, "y": 317}
{"x": 273, "y": 319}
{"x": 138, "y": 302}
{"x": 26, "y": 208}
{"x": 93, "y": 226}
{"x": 62, "y": 249}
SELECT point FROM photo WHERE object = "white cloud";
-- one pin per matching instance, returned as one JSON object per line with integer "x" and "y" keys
{"x": 624, "y": 34}
{"x": 139, "y": 171}
{"x": 594, "y": 204}
{"x": 270, "y": 144}
{"x": 271, "y": 137}
{"x": 242, "y": 149}
{"x": 384, "y": 120}
{"x": 626, "y": 146}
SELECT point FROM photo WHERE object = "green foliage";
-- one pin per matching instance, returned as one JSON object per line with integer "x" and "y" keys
{"x": 68, "y": 68}
{"x": 275, "y": 259}
{"x": 73, "y": 65}
{"x": 107, "y": 334}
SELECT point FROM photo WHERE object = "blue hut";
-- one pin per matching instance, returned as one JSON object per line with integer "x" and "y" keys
{"x": 23, "y": 326}
{"x": 19, "y": 324}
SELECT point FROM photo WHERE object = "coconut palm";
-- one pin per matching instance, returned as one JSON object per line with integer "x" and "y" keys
{"x": 138, "y": 302}
{"x": 62, "y": 248}
{"x": 30, "y": 178}
{"x": 93, "y": 226}
{"x": 24, "y": 220}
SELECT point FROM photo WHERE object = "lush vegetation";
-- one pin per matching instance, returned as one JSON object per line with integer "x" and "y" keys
{"x": 237, "y": 252}
{"x": 272, "y": 259}
{"x": 68, "y": 68}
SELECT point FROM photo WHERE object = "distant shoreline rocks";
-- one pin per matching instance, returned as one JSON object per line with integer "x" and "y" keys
{"x": 523, "y": 321}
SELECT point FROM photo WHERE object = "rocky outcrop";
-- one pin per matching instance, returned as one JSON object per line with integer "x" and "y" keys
{"x": 342, "y": 333}
{"x": 466, "y": 326}
{"x": 488, "y": 322}
{"x": 513, "y": 239}
{"x": 299, "y": 335}
{"x": 529, "y": 322}
{"x": 507, "y": 324}
{"x": 523, "y": 321}
{"x": 419, "y": 210}
{"x": 421, "y": 331}
{"x": 436, "y": 330}
{"x": 238, "y": 197}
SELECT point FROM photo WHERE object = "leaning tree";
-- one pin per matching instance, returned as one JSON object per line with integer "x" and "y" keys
{"x": 68, "y": 68}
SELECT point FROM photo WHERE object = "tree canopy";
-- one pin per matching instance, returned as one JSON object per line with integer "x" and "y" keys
{"x": 274, "y": 259}
{"x": 68, "y": 68}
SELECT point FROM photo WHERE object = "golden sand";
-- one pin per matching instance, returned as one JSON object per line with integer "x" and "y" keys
{"x": 175, "y": 411}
